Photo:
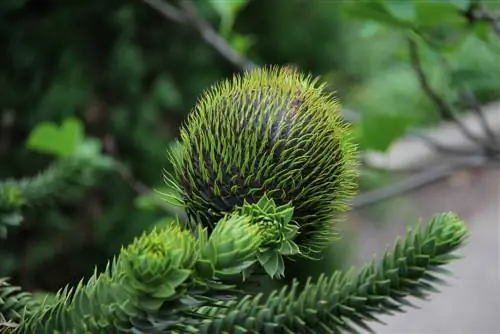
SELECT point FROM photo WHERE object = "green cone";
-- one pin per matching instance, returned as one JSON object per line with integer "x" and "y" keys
{"x": 272, "y": 131}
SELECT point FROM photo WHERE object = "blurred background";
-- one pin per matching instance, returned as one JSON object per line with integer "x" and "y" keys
{"x": 93, "y": 93}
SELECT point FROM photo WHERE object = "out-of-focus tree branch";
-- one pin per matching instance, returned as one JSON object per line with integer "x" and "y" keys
{"x": 488, "y": 146}
{"x": 477, "y": 12}
{"x": 471, "y": 103}
{"x": 170, "y": 12}
{"x": 421, "y": 179}
{"x": 187, "y": 14}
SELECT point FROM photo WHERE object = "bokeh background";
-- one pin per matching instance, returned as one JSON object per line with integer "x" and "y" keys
{"x": 113, "y": 80}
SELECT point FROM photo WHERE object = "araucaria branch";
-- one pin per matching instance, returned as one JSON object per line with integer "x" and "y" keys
{"x": 264, "y": 169}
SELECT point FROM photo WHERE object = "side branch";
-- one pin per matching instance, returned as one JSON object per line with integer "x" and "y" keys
{"x": 419, "y": 180}
{"x": 443, "y": 108}
{"x": 478, "y": 13}
{"x": 188, "y": 14}
{"x": 346, "y": 302}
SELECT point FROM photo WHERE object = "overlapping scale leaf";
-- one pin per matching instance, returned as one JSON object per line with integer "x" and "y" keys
{"x": 143, "y": 291}
{"x": 231, "y": 248}
{"x": 14, "y": 302}
{"x": 347, "y": 302}
{"x": 155, "y": 271}
{"x": 86, "y": 308}
{"x": 158, "y": 281}
{"x": 277, "y": 230}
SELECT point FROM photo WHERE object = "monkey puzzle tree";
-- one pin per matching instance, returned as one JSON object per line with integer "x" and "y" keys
{"x": 264, "y": 169}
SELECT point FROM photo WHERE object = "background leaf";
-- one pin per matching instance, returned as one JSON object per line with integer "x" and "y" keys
{"x": 227, "y": 11}
{"x": 60, "y": 141}
{"x": 429, "y": 13}
{"x": 375, "y": 11}
{"x": 380, "y": 130}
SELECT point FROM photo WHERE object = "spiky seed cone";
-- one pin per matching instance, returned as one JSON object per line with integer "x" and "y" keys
{"x": 271, "y": 131}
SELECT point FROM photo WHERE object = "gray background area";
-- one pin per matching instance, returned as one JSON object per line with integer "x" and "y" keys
{"x": 471, "y": 302}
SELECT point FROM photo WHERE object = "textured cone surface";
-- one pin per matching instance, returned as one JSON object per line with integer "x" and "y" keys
{"x": 270, "y": 131}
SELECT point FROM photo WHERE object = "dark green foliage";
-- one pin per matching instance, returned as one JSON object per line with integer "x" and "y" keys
{"x": 130, "y": 75}
{"x": 60, "y": 182}
{"x": 14, "y": 303}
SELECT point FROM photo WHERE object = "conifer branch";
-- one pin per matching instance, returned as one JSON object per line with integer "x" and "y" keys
{"x": 60, "y": 181}
{"x": 255, "y": 192}
{"x": 346, "y": 302}
{"x": 14, "y": 304}
{"x": 157, "y": 282}
{"x": 168, "y": 282}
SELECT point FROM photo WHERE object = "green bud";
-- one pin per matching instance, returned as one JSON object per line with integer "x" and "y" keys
{"x": 274, "y": 132}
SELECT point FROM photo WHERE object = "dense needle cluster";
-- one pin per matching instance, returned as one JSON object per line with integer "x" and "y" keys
{"x": 272, "y": 131}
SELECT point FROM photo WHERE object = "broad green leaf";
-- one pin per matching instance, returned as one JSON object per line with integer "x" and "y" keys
{"x": 379, "y": 131}
{"x": 428, "y": 14}
{"x": 227, "y": 7}
{"x": 459, "y": 4}
{"x": 475, "y": 65}
{"x": 483, "y": 31}
{"x": 57, "y": 140}
{"x": 403, "y": 10}
{"x": 370, "y": 29}
{"x": 227, "y": 11}
{"x": 477, "y": 78}
{"x": 374, "y": 11}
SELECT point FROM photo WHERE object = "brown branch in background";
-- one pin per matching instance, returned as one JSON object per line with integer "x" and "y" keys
{"x": 188, "y": 14}
{"x": 443, "y": 108}
{"x": 446, "y": 112}
{"x": 437, "y": 146}
{"x": 477, "y": 12}
{"x": 420, "y": 180}
{"x": 167, "y": 10}
{"x": 211, "y": 37}
{"x": 470, "y": 100}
